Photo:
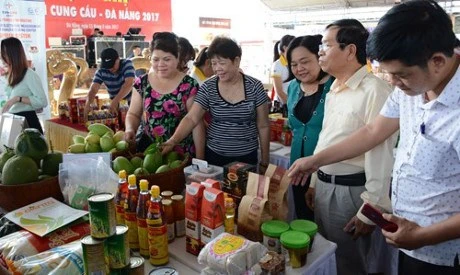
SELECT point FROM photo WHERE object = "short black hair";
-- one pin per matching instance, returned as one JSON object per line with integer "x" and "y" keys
{"x": 201, "y": 58}
{"x": 165, "y": 41}
{"x": 411, "y": 33}
{"x": 224, "y": 47}
{"x": 351, "y": 31}
{"x": 311, "y": 43}
{"x": 284, "y": 41}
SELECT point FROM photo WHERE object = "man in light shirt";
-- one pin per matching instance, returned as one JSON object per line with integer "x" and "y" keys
{"x": 355, "y": 99}
{"x": 414, "y": 44}
{"x": 280, "y": 71}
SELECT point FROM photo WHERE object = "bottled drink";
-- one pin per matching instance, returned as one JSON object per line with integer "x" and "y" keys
{"x": 169, "y": 218}
{"x": 130, "y": 213}
{"x": 120, "y": 199}
{"x": 141, "y": 212}
{"x": 179, "y": 214}
{"x": 229, "y": 222}
{"x": 158, "y": 236}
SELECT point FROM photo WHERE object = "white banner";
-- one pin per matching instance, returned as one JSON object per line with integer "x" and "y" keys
{"x": 25, "y": 19}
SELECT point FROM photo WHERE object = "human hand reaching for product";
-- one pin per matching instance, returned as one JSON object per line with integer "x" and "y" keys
{"x": 408, "y": 235}
{"x": 301, "y": 169}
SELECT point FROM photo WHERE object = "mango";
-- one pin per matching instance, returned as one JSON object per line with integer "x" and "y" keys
{"x": 92, "y": 148}
{"x": 151, "y": 149}
{"x": 152, "y": 162}
{"x": 118, "y": 136}
{"x": 99, "y": 129}
{"x": 122, "y": 163}
{"x": 92, "y": 138}
{"x": 172, "y": 156}
{"x": 78, "y": 139}
{"x": 122, "y": 145}
{"x": 162, "y": 168}
{"x": 77, "y": 148}
{"x": 106, "y": 143}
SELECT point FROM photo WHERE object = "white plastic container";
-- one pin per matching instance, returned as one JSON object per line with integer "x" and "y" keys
{"x": 192, "y": 174}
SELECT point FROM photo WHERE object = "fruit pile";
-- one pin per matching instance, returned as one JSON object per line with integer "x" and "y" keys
{"x": 100, "y": 138}
{"x": 152, "y": 163}
{"x": 30, "y": 160}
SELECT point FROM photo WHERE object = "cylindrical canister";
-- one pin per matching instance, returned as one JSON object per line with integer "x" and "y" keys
{"x": 118, "y": 247}
{"x": 94, "y": 255}
{"x": 102, "y": 217}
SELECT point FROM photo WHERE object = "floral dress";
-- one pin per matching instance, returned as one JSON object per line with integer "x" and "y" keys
{"x": 163, "y": 113}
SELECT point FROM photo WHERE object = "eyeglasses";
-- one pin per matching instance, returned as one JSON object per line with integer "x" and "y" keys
{"x": 326, "y": 47}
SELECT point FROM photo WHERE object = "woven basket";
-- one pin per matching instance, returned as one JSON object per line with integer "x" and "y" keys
{"x": 16, "y": 196}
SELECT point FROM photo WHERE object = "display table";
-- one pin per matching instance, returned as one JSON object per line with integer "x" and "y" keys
{"x": 321, "y": 260}
{"x": 60, "y": 133}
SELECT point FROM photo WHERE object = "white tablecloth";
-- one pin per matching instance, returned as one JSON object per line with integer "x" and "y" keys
{"x": 321, "y": 261}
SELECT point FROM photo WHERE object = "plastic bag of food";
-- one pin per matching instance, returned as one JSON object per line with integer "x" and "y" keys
{"x": 22, "y": 244}
{"x": 230, "y": 254}
{"x": 83, "y": 177}
{"x": 66, "y": 259}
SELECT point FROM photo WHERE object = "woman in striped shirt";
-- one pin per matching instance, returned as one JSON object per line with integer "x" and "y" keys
{"x": 238, "y": 107}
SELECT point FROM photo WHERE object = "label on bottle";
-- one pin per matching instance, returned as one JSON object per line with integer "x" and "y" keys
{"x": 120, "y": 214}
{"x": 143, "y": 237}
{"x": 229, "y": 224}
{"x": 131, "y": 222}
{"x": 158, "y": 244}
{"x": 180, "y": 228}
{"x": 171, "y": 233}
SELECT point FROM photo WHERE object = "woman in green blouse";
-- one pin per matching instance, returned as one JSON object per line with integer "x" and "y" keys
{"x": 306, "y": 96}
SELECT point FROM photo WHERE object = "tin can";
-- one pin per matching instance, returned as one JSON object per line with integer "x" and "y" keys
{"x": 120, "y": 271}
{"x": 118, "y": 247}
{"x": 137, "y": 266}
{"x": 95, "y": 258}
{"x": 102, "y": 217}
{"x": 163, "y": 271}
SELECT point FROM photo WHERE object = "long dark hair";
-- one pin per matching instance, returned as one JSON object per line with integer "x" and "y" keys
{"x": 311, "y": 43}
{"x": 13, "y": 54}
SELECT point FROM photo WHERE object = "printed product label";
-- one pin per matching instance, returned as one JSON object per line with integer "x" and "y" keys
{"x": 208, "y": 234}
{"x": 158, "y": 243}
{"x": 131, "y": 222}
{"x": 272, "y": 244}
{"x": 193, "y": 229}
{"x": 120, "y": 214}
{"x": 143, "y": 237}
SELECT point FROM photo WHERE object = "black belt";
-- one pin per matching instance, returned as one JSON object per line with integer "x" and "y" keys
{"x": 347, "y": 180}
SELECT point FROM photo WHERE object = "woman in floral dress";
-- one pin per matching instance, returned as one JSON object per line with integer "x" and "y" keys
{"x": 163, "y": 98}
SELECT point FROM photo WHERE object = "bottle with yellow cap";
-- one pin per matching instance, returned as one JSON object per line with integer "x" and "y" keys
{"x": 141, "y": 211}
{"x": 130, "y": 213}
{"x": 157, "y": 230}
{"x": 229, "y": 222}
{"x": 122, "y": 193}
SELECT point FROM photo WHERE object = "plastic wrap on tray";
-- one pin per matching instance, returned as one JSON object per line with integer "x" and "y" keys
{"x": 65, "y": 259}
{"x": 230, "y": 254}
{"x": 21, "y": 244}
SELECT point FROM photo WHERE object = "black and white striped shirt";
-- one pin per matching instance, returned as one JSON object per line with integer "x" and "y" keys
{"x": 233, "y": 128}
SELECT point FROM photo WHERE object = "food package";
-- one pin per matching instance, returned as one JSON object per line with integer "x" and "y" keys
{"x": 212, "y": 214}
{"x": 22, "y": 244}
{"x": 193, "y": 200}
{"x": 230, "y": 254}
{"x": 65, "y": 259}
{"x": 277, "y": 193}
{"x": 253, "y": 209}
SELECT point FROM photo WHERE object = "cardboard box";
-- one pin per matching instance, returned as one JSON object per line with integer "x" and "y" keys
{"x": 236, "y": 178}
{"x": 193, "y": 201}
{"x": 212, "y": 214}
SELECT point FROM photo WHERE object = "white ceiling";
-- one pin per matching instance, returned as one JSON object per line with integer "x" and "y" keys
{"x": 306, "y": 5}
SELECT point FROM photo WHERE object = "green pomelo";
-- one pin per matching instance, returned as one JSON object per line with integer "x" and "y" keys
{"x": 152, "y": 162}
{"x": 141, "y": 172}
{"x": 122, "y": 163}
{"x": 162, "y": 168}
{"x": 19, "y": 170}
{"x": 175, "y": 164}
{"x": 31, "y": 143}
{"x": 6, "y": 155}
{"x": 50, "y": 163}
{"x": 172, "y": 156}
{"x": 137, "y": 162}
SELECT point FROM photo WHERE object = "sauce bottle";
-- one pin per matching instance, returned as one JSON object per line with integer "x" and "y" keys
{"x": 130, "y": 213}
{"x": 169, "y": 218}
{"x": 141, "y": 213}
{"x": 229, "y": 222}
{"x": 179, "y": 214}
{"x": 122, "y": 193}
{"x": 157, "y": 231}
